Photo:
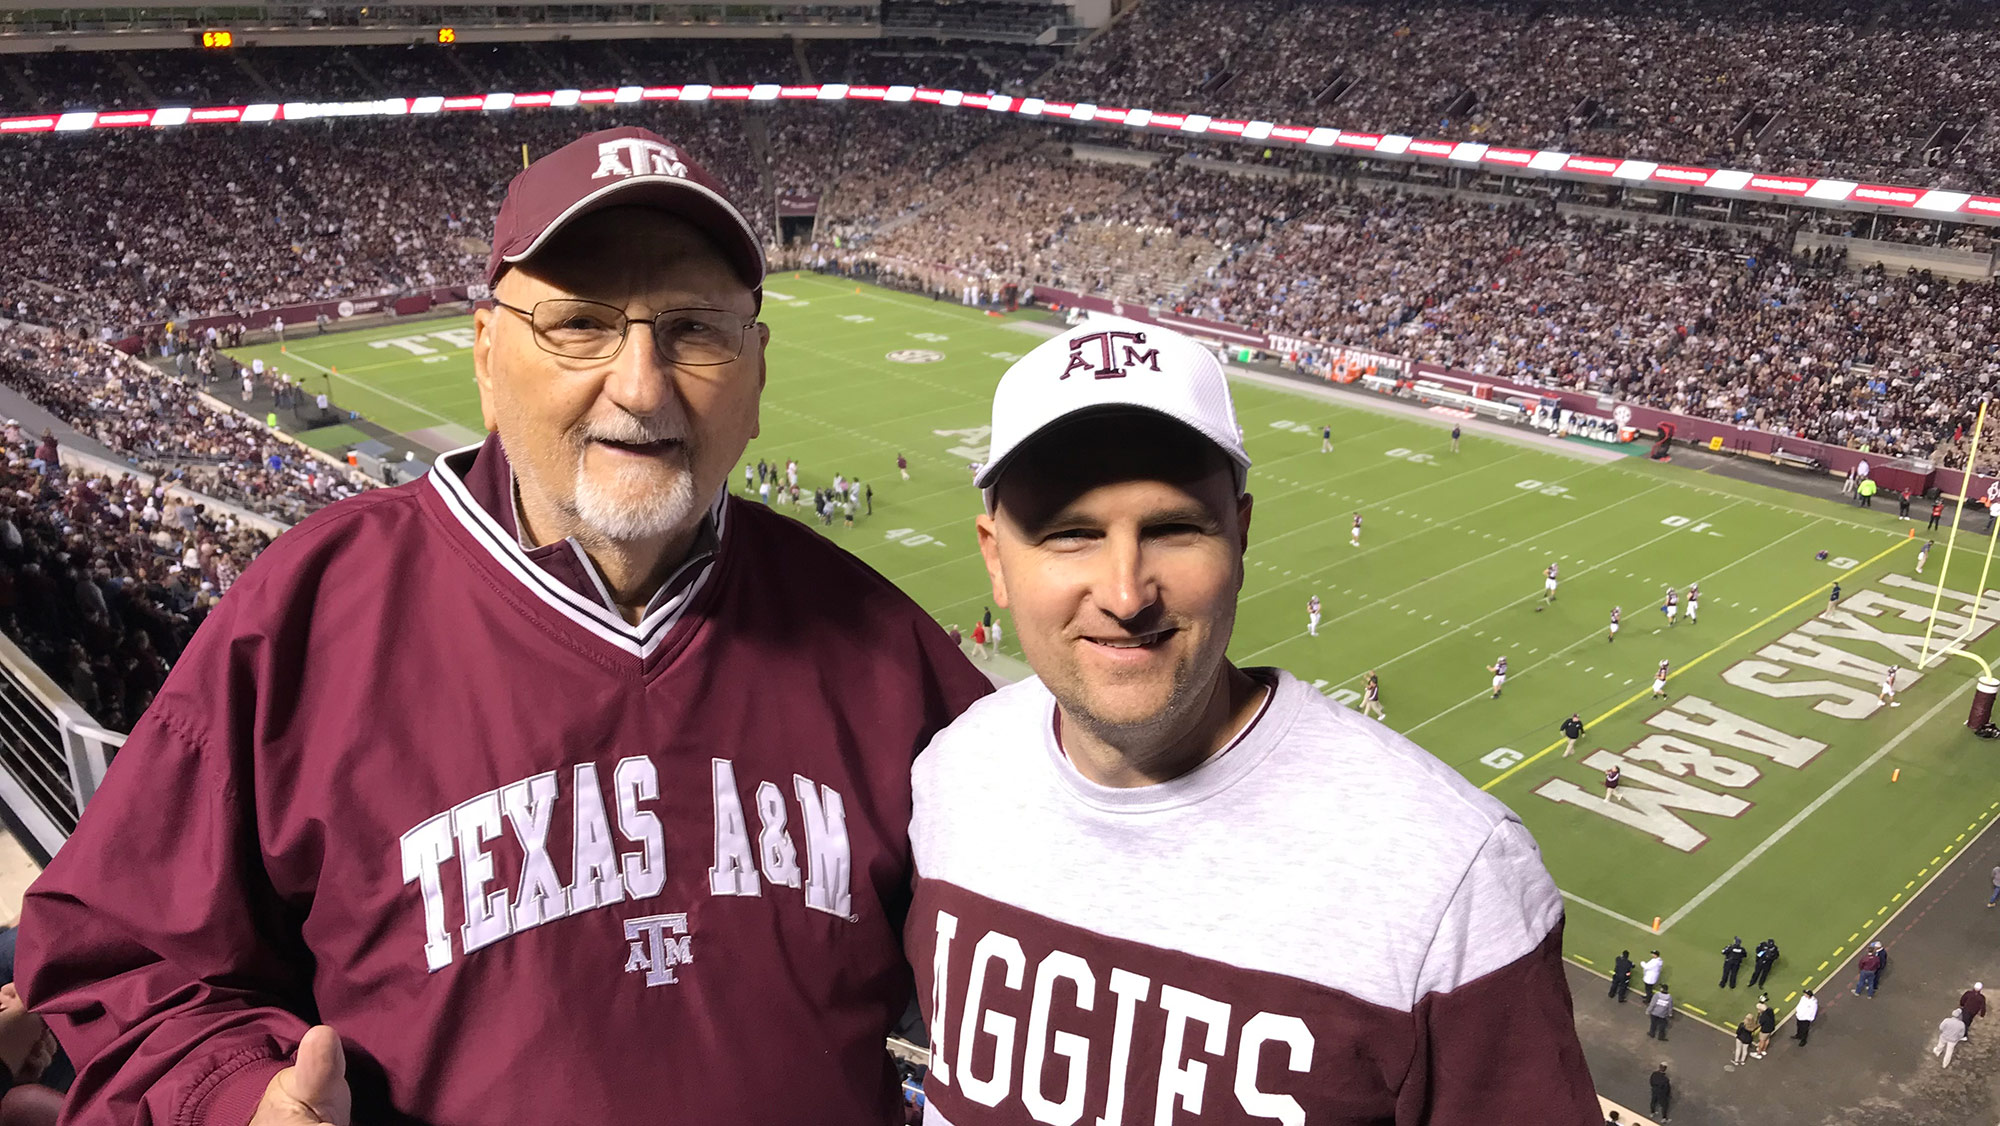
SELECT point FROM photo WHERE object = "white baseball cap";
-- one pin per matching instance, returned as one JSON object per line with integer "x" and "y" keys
{"x": 1106, "y": 363}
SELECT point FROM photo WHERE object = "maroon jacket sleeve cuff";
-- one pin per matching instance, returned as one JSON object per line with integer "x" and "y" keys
{"x": 230, "y": 1094}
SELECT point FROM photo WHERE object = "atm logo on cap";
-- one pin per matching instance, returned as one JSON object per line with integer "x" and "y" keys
{"x": 636, "y": 156}
{"x": 1108, "y": 344}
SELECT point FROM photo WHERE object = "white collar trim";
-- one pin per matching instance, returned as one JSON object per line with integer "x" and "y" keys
{"x": 598, "y": 617}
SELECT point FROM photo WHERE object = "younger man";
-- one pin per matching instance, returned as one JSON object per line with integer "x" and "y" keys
{"x": 1153, "y": 885}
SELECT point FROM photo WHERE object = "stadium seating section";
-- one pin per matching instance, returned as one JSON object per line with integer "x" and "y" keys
{"x": 107, "y": 234}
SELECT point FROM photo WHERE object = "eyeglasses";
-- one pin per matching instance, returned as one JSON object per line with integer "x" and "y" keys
{"x": 591, "y": 330}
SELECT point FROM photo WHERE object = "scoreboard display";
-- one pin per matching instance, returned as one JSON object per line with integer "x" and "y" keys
{"x": 218, "y": 39}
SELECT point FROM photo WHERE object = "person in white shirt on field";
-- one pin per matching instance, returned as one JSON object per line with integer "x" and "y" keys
{"x": 1951, "y": 1033}
{"x": 1649, "y": 973}
{"x": 1312, "y": 616}
{"x": 1804, "y": 1016}
{"x": 1888, "y": 693}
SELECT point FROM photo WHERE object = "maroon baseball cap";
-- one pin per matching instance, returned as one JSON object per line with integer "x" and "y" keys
{"x": 616, "y": 168}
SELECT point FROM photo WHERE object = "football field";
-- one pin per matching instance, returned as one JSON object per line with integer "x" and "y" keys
{"x": 1759, "y": 791}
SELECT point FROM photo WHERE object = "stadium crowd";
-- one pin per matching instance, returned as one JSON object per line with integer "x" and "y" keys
{"x": 159, "y": 422}
{"x": 1707, "y": 320}
{"x": 140, "y": 79}
{"x": 262, "y": 218}
{"x": 1727, "y": 322}
{"x": 1894, "y": 92}
{"x": 1714, "y": 323}
{"x": 103, "y": 581}
{"x": 1897, "y": 91}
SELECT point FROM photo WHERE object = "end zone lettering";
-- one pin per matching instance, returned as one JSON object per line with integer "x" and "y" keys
{"x": 1652, "y": 770}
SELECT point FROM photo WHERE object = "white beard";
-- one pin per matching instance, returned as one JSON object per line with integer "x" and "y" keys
{"x": 632, "y": 506}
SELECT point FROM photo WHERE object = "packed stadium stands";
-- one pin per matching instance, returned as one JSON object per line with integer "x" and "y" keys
{"x": 157, "y": 419}
{"x": 103, "y": 581}
{"x": 1896, "y": 91}
{"x": 110, "y": 234}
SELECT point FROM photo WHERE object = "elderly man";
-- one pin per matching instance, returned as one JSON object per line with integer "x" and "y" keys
{"x": 472, "y": 804}
{"x": 1233, "y": 897}
{"x": 1951, "y": 1033}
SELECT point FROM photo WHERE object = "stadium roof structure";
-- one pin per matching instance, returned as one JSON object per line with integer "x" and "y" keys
{"x": 1629, "y": 171}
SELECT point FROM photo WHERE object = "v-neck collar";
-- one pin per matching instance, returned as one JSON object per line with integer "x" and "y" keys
{"x": 477, "y": 486}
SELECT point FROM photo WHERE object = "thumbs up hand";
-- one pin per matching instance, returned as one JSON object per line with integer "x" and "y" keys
{"x": 313, "y": 1091}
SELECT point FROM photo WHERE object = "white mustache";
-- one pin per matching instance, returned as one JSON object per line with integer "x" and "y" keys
{"x": 638, "y": 431}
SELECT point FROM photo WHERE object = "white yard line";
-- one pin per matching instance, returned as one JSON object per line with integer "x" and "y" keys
{"x": 1592, "y": 635}
{"x": 1608, "y": 912}
{"x": 373, "y": 390}
{"x": 1245, "y": 659}
{"x": 1813, "y": 807}
{"x": 1376, "y": 504}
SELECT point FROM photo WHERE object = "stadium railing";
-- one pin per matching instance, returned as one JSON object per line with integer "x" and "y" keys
{"x": 52, "y": 754}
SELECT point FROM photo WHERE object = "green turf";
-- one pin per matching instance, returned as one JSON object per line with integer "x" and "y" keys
{"x": 331, "y": 438}
{"x": 1445, "y": 581}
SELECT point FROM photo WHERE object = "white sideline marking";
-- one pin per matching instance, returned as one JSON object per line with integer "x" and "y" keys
{"x": 1798, "y": 818}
